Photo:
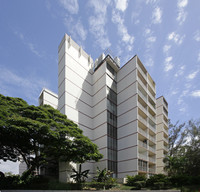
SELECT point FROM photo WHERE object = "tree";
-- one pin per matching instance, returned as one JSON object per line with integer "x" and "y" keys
{"x": 39, "y": 134}
{"x": 191, "y": 149}
{"x": 184, "y": 149}
{"x": 177, "y": 137}
{"x": 175, "y": 165}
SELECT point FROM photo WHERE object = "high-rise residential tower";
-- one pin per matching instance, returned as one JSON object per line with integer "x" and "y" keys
{"x": 115, "y": 107}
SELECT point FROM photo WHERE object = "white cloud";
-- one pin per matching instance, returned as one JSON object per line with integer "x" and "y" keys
{"x": 176, "y": 38}
{"x": 180, "y": 71}
{"x": 121, "y": 5}
{"x": 33, "y": 49}
{"x": 192, "y": 75}
{"x": 183, "y": 109}
{"x": 97, "y": 22}
{"x": 29, "y": 86}
{"x": 166, "y": 48}
{"x": 197, "y": 35}
{"x": 157, "y": 15}
{"x": 168, "y": 64}
{"x": 182, "y": 14}
{"x": 182, "y": 3}
{"x": 122, "y": 30}
{"x": 198, "y": 59}
{"x": 29, "y": 44}
{"x": 149, "y": 61}
{"x": 147, "y": 31}
{"x": 70, "y": 5}
{"x": 151, "y": 1}
{"x": 75, "y": 27}
{"x": 137, "y": 22}
{"x": 168, "y": 59}
{"x": 151, "y": 39}
{"x": 195, "y": 93}
{"x": 174, "y": 92}
{"x": 81, "y": 30}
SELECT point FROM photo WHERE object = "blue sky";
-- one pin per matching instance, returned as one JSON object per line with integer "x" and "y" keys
{"x": 165, "y": 34}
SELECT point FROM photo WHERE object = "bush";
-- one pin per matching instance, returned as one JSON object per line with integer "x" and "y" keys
{"x": 10, "y": 182}
{"x": 159, "y": 179}
{"x": 111, "y": 182}
{"x": 131, "y": 180}
{"x": 158, "y": 185}
{"x": 184, "y": 180}
{"x": 139, "y": 184}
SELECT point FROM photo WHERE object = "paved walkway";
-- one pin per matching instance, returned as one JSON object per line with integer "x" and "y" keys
{"x": 89, "y": 190}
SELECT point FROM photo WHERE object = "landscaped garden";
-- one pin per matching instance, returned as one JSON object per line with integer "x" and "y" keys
{"x": 102, "y": 181}
{"x": 50, "y": 137}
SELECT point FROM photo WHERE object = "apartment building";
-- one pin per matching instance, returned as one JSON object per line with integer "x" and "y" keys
{"x": 161, "y": 132}
{"x": 115, "y": 107}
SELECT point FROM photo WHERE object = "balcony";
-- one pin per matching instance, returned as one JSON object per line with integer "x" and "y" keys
{"x": 166, "y": 140}
{"x": 165, "y": 129}
{"x": 142, "y": 132}
{"x": 142, "y": 84}
{"x": 165, "y": 112}
{"x": 142, "y": 108}
{"x": 152, "y": 149}
{"x": 142, "y": 72}
{"x": 152, "y": 127}
{"x": 152, "y": 170}
{"x": 165, "y": 148}
{"x": 142, "y": 156}
{"x": 152, "y": 105}
{"x": 165, "y": 123}
{"x": 141, "y": 168}
{"x": 152, "y": 138}
{"x": 142, "y": 144}
{"x": 142, "y": 120}
{"x": 153, "y": 160}
{"x": 151, "y": 83}
{"x": 142, "y": 96}
{"x": 165, "y": 103}
{"x": 152, "y": 117}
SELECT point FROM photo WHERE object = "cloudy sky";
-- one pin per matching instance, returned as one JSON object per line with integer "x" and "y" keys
{"x": 165, "y": 34}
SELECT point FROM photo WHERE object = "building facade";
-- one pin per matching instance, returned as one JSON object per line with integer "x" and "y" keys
{"x": 115, "y": 107}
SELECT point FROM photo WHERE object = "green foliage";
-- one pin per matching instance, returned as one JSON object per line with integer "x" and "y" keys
{"x": 111, "y": 182}
{"x": 80, "y": 176}
{"x": 158, "y": 180}
{"x": 102, "y": 175}
{"x": 104, "y": 178}
{"x": 42, "y": 132}
{"x": 10, "y": 182}
{"x": 184, "y": 149}
{"x": 180, "y": 180}
{"x": 139, "y": 184}
{"x": 175, "y": 165}
{"x": 158, "y": 185}
{"x": 131, "y": 180}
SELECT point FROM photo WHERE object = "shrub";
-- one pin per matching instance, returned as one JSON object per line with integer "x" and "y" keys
{"x": 9, "y": 182}
{"x": 183, "y": 180}
{"x": 109, "y": 183}
{"x": 132, "y": 179}
{"x": 158, "y": 179}
{"x": 139, "y": 184}
{"x": 158, "y": 185}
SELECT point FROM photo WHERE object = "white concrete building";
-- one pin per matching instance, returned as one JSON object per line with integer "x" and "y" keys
{"x": 115, "y": 107}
